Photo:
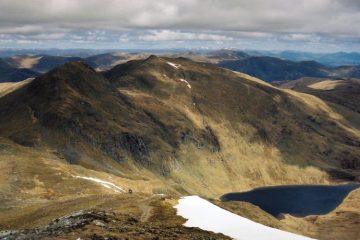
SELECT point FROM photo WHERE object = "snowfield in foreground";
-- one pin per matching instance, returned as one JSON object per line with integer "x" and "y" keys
{"x": 207, "y": 216}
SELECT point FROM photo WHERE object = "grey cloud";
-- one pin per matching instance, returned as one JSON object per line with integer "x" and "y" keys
{"x": 181, "y": 20}
{"x": 236, "y": 15}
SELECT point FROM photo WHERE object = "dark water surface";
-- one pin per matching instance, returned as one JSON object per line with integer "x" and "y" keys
{"x": 297, "y": 200}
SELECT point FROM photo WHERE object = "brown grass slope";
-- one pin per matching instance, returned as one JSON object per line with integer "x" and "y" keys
{"x": 194, "y": 127}
{"x": 341, "y": 92}
{"x": 243, "y": 114}
{"x": 162, "y": 125}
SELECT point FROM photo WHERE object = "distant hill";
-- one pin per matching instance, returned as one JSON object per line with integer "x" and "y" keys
{"x": 42, "y": 63}
{"x": 275, "y": 69}
{"x": 329, "y": 59}
{"x": 341, "y": 92}
{"x": 225, "y": 54}
{"x": 267, "y": 68}
{"x": 105, "y": 61}
{"x": 340, "y": 58}
{"x": 9, "y": 73}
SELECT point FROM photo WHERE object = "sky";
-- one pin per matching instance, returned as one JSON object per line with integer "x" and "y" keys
{"x": 300, "y": 25}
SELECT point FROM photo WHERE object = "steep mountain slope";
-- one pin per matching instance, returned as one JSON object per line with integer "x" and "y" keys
{"x": 161, "y": 125}
{"x": 276, "y": 118}
{"x": 275, "y": 69}
{"x": 8, "y": 87}
{"x": 9, "y": 73}
{"x": 208, "y": 130}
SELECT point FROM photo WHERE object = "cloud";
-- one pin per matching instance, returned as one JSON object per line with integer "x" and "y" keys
{"x": 301, "y": 37}
{"x": 227, "y": 21}
{"x": 168, "y": 35}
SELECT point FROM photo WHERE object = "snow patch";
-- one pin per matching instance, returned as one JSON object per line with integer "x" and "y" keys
{"x": 174, "y": 65}
{"x": 105, "y": 184}
{"x": 207, "y": 216}
{"x": 187, "y": 83}
{"x": 160, "y": 194}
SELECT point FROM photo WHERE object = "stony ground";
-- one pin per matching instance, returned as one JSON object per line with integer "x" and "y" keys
{"x": 96, "y": 224}
{"x": 116, "y": 217}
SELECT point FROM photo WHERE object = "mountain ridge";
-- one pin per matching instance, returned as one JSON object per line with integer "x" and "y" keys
{"x": 159, "y": 128}
{"x": 75, "y": 98}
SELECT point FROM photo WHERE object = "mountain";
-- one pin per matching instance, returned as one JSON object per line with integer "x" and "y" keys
{"x": 75, "y": 138}
{"x": 102, "y": 113}
{"x": 100, "y": 62}
{"x": 9, "y": 73}
{"x": 330, "y": 59}
{"x": 297, "y": 56}
{"x": 108, "y": 60}
{"x": 341, "y": 92}
{"x": 340, "y": 58}
{"x": 275, "y": 69}
{"x": 80, "y": 52}
{"x": 226, "y": 54}
{"x": 40, "y": 63}
{"x": 327, "y": 59}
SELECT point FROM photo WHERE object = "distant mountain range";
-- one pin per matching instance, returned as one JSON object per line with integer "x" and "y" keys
{"x": 331, "y": 59}
{"x": 20, "y": 67}
{"x": 275, "y": 69}
{"x": 268, "y": 68}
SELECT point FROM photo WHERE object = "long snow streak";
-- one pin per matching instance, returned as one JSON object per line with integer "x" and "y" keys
{"x": 105, "y": 184}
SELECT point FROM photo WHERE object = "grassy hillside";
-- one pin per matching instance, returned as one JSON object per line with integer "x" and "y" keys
{"x": 204, "y": 129}
{"x": 340, "y": 92}
{"x": 162, "y": 125}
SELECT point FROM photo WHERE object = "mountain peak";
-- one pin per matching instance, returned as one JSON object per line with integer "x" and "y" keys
{"x": 67, "y": 81}
{"x": 72, "y": 67}
{"x": 152, "y": 57}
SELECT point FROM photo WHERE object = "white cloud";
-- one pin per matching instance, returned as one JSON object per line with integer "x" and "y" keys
{"x": 24, "y": 29}
{"x": 301, "y": 37}
{"x": 169, "y": 35}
